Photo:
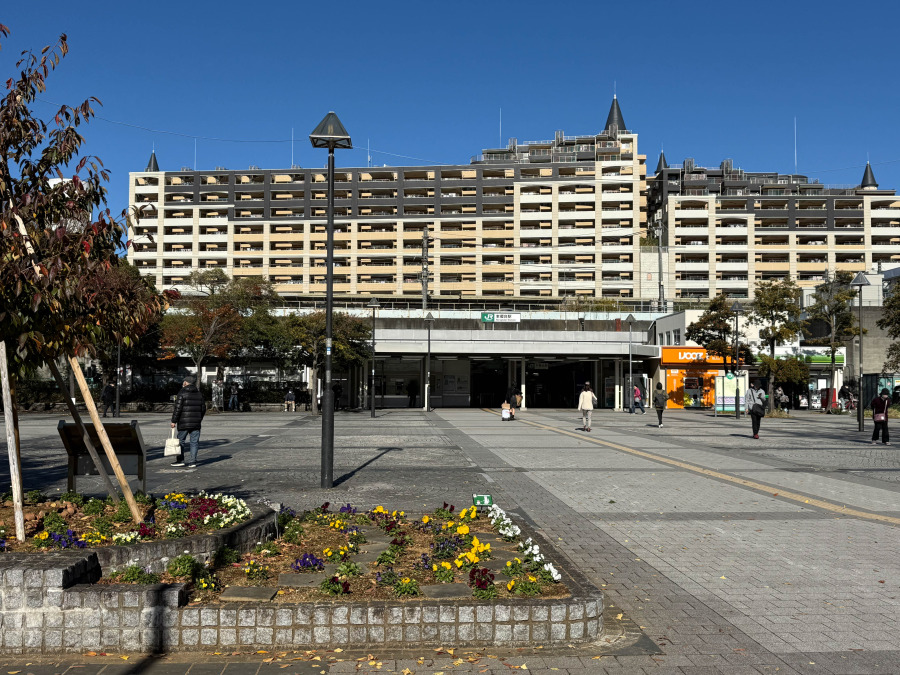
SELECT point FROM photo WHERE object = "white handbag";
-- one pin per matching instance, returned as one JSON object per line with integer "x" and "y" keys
{"x": 173, "y": 446}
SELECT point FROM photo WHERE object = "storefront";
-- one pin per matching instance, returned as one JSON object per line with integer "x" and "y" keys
{"x": 820, "y": 387}
{"x": 690, "y": 375}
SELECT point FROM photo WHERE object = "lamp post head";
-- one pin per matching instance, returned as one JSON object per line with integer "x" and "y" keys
{"x": 736, "y": 308}
{"x": 330, "y": 134}
{"x": 860, "y": 280}
{"x": 373, "y": 304}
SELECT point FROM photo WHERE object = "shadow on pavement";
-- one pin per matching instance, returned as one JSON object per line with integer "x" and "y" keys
{"x": 381, "y": 453}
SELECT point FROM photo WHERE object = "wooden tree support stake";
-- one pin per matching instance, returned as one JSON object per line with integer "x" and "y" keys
{"x": 85, "y": 436}
{"x": 15, "y": 467}
{"x": 104, "y": 440}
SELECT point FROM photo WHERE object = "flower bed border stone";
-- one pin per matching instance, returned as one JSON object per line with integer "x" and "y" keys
{"x": 51, "y": 605}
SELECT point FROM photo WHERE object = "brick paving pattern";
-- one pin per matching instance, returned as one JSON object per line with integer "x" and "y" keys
{"x": 720, "y": 578}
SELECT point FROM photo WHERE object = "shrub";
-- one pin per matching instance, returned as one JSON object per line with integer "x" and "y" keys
{"x": 94, "y": 507}
{"x": 122, "y": 513}
{"x": 255, "y": 571}
{"x": 135, "y": 574}
{"x": 184, "y": 566}
{"x": 104, "y": 526}
{"x": 349, "y": 569}
{"x": 34, "y": 496}
{"x": 285, "y": 515}
{"x": 53, "y": 522}
{"x": 268, "y": 548}
{"x": 226, "y": 556}
{"x": 73, "y": 497}
{"x": 406, "y": 586}
{"x": 293, "y": 532}
{"x": 335, "y": 586}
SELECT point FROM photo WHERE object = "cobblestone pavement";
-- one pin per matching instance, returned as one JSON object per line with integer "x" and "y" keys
{"x": 721, "y": 577}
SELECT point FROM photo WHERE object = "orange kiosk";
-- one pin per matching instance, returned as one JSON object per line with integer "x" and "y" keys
{"x": 690, "y": 376}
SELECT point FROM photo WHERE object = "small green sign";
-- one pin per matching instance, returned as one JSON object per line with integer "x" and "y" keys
{"x": 730, "y": 376}
{"x": 487, "y": 317}
{"x": 482, "y": 500}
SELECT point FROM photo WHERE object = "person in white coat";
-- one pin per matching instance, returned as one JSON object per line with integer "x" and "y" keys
{"x": 586, "y": 403}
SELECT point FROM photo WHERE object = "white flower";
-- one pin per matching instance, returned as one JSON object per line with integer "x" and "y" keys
{"x": 556, "y": 576}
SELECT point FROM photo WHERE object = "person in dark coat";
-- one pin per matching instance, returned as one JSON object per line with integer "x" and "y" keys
{"x": 188, "y": 417}
{"x": 108, "y": 398}
{"x": 880, "y": 405}
{"x": 412, "y": 390}
{"x": 512, "y": 397}
{"x": 660, "y": 402}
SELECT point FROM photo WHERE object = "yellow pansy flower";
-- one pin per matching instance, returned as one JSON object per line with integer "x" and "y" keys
{"x": 510, "y": 585}
{"x": 425, "y": 519}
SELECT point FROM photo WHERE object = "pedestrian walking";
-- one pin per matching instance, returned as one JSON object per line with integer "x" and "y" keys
{"x": 412, "y": 390}
{"x": 844, "y": 396}
{"x": 108, "y": 398}
{"x": 880, "y": 407}
{"x": 660, "y": 402}
{"x": 233, "y": 401}
{"x": 513, "y": 397}
{"x": 782, "y": 400}
{"x": 755, "y": 402}
{"x": 586, "y": 402}
{"x": 290, "y": 401}
{"x": 218, "y": 396}
{"x": 188, "y": 417}
{"x": 638, "y": 400}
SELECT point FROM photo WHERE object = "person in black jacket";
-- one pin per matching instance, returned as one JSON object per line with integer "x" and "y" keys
{"x": 108, "y": 398}
{"x": 188, "y": 416}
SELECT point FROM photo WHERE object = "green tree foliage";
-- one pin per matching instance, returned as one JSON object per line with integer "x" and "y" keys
{"x": 830, "y": 320}
{"x": 58, "y": 242}
{"x": 776, "y": 309}
{"x": 350, "y": 342}
{"x": 784, "y": 371}
{"x": 890, "y": 322}
{"x": 714, "y": 331}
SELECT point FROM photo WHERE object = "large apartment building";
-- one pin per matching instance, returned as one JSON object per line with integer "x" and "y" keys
{"x": 546, "y": 219}
{"x": 727, "y": 229}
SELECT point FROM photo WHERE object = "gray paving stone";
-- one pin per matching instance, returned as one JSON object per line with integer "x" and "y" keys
{"x": 248, "y": 594}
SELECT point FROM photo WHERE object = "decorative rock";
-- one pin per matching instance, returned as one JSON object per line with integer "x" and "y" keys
{"x": 446, "y": 591}
{"x": 248, "y": 594}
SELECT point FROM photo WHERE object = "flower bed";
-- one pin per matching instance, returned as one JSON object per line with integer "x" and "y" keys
{"x": 73, "y": 521}
{"x": 374, "y": 555}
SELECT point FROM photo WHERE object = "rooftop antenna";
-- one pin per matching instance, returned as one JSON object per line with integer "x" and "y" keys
{"x": 614, "y": 88}
{"x": 501, "y": 128}
{"x": 368, "y": 154}
{"x": 195, "y": 154}
{"x": 292, "y": 147}
{"x": 795, "y": 144}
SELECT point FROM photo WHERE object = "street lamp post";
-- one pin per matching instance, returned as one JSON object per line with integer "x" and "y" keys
{"x": 736, "y": 309}
{"x": 859, "y": 283}
{"x": 630, "y": 389}
{"x": 429, "y": 319}
{"x": 373, "y": 305}
{"x": 119, "y": 377}
{"x": 329, "y": 134}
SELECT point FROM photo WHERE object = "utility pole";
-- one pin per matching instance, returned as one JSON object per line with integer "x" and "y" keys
{"x": 425, "y": 266}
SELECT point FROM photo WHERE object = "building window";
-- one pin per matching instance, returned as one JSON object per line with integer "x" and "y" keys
{"x": 677, "y": 336}
{"x": 668, "y": 338}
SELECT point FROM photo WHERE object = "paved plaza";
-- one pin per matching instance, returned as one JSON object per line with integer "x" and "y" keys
{"x": 730, "y": 555}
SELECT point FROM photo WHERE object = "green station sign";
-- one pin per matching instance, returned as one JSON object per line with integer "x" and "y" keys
{"x": 482, "y": 500}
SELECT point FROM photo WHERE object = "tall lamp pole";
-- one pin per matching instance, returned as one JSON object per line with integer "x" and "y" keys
{"x": 630, "y": 389}
{"x": 736, "y": 310}
{"x": 859, "y": 283}
{"x": 329, "y": 134}
{"x": 118, "y": 377}
{"x": 429, "y": 319}
{"x": 373, "y": 305}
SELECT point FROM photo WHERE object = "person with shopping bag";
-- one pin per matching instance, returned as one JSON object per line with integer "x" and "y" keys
{"x": 880, "y": 409}
{"x": 188, "y": 418}
{"x": 586, "y": 403}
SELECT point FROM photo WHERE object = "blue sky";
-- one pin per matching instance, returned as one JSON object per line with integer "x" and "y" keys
{"x": 426, "y": 81}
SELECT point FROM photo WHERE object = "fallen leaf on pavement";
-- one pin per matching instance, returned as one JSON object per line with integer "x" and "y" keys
{"x": 407, "y": 671}
{"x": 619, "y": 616}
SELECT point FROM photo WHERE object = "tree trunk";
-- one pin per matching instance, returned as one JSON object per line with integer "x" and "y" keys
{"x": 12, "y": 443}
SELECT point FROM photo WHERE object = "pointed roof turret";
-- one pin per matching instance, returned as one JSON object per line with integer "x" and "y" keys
{"x": 868, "y": 180}
{"x": 152, "y": 165}
{"x": 662, "y": 162}
{"x": 614, "y": 122}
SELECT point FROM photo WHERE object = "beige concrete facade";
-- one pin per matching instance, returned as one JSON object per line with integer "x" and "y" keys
{"x": 532, "y": 228}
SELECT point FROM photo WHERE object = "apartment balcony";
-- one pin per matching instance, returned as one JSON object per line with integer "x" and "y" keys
{"x": 732, "y": 266}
